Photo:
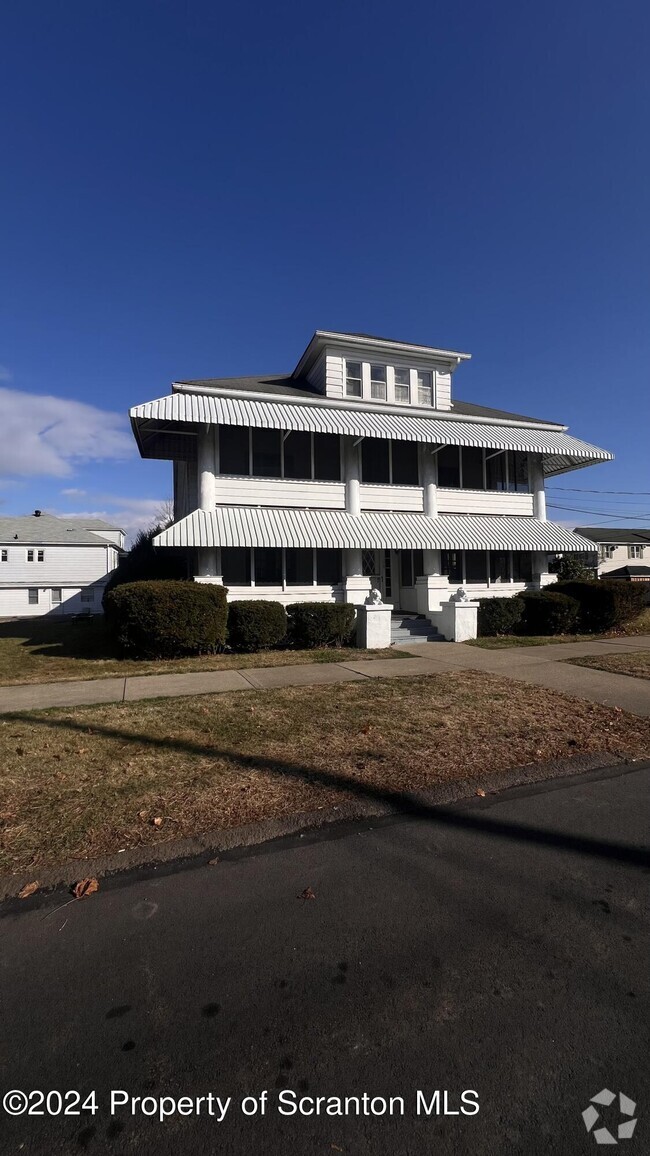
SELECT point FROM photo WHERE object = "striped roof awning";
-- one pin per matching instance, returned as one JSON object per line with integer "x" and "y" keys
{"x": 334, "y": 529}
{"x": 561, "y": 451}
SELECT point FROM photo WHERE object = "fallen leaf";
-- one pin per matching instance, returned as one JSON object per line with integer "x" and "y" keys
{"x": 213, "y": 862}
{"x": 335, "y": 1148}
{"x": 158, "y": 821}
{"x": 481, "y": 792}
{"x": 143, "y": 815}
{"x": 28, "y": 890}
{"x": 306, "y": 894}
{"x": 366, "y": 730}
{"x": 85, "y": 887}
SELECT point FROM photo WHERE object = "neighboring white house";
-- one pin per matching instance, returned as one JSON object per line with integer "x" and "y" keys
{"x": 622, "y": 553}
{"x": 359, "y": 470}
{"x": 54, "y": 565}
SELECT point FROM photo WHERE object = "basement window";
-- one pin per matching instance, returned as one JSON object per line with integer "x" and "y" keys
{"x": 32, "y": 597}
{"x": 56, "y": 595}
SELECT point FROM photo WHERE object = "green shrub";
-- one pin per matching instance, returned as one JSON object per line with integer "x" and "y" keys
{"x": 254, "y": 624}
{"x": 548, "y": 612}
{"x": 312, "y": 624}
{"x": 499, "y": 616}
{"x": 167, "y": 619}
{"x": 604, "y": 605}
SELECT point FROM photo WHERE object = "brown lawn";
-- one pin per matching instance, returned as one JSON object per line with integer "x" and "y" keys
{"x": 636, "y": 664}
{"x": 89, "y": 781}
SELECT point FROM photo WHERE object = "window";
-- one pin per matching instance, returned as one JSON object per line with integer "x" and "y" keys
{"x": 4, "y": 557}
{"x": 449, "y": 467}
{"x": 472, "y": 460}
{"x": 32, "y": 597}
{"x": 499, "y": 566}
{"x": 404, "y": 457}
{"x": 369, "y": 564}
{"x": 30, "y": 555}
{"x": 606, "y": 552}
{"x": 476, "y": 566}
{"x": 56, "y": 595}
{"x": 375, "y": 460}
{"x": 268, "y": 567}
{"x": 378, "y": 382}
{"x": 267, "y": 453}
{"x": 236, "y": 565}
{"x": 425, "y": 387}
{"x": 329, "y": 569}
{"x": 635, "y": 551}
{"x": 522, "y": 566}
{"x": 40, "y": 555}
{"x": 297, "y": 455}
{"x": 517, "y": 472}
{"x": 353, "y": 379}
{"x": 411, "y": 566}
{"x": 299, "y": 567}
{"x": 87, "y": 595}
{"x": 495, "y": 465}
{"x": 234, "y": 451}
{"x": 452, "y": 564}
{"x": 402, "y": 385}
{"x": 327, "y": 457}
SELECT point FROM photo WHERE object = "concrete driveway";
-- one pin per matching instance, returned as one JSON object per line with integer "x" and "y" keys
{"x": 499, "y": 947}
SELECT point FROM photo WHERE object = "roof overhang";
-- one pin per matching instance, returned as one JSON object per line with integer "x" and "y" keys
{"x": 367, "y": 346}
{"x": 183, "y": 413}
{"x": 334, "y": 529}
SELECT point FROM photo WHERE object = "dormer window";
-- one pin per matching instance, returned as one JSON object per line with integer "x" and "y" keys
{"x": 425, "y": 387}
{"x": 402, "y": 385}
{"x": 353, "y": 379}
{"x": 378, "y": 382}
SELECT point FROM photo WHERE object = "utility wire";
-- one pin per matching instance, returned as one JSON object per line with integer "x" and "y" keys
{"x": 601, "y": 513}
{"x": 576, "y": 490}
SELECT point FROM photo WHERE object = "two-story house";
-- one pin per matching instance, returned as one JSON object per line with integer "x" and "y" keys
{"x": 54, "y": 565}
{"x": 359, "y": 469}
{"x": 622, "y": 553}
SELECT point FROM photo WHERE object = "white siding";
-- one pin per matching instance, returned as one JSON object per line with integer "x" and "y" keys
{"x": 620, "y": 558}
{"x": 14, "y": 601}
{"x": 443, "y": 389}
{"x": 115, "y": 536}
{"x": 287, "y": 595}
{"x": 79, "y": 565}
{"x": 235, "y": 491}
{"x": 483, "y": 502}
{"x": 335, "y": 375}
{"x": 381, "y": 497}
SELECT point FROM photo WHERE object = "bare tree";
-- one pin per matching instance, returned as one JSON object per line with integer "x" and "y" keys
{"x": 164, "y": 516}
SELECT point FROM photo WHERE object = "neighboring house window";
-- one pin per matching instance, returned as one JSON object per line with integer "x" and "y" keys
{"x": 425, "y": 387}
{"x": 30, "y": 555}
{"x": 87, "y": 595}
{"x": 378, "y": 382}
{"x": 402, "y": 385}
{"x": 32, "y": 597}
{"x": 635, "y": 551}
{"x": 353, "y": 379}
{"x": 5, "y": 556}
{"x": 56, "y": 595}
{"x": 40, "y": 555}
{"x": 606, "y": 552}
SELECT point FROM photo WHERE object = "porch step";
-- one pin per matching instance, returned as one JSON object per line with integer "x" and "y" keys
{"x": 413, "y": 628}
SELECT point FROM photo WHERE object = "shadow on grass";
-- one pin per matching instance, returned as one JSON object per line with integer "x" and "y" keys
{"x": 83, "y": 637}
{"x": 403, "y": 802}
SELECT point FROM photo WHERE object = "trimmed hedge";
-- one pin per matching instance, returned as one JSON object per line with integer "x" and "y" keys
{"x": 256, "y": 625}
{"x": 604, "y": 605}
{"x": 548, "y": 612}
{"x": 167, "y": 619}
{"x": 312, "y": 624}
{"x": 499, "y": 616}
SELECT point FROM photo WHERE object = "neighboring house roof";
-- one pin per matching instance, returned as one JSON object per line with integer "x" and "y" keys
{"x": 629, "y": 572}
{"x": 96, "y": 524}
{"x": 560, "y": 450}
{"x": 46, "y": 530}
{"x": 332, "y": 529}
{"x": 616, "y": 536}
{"x": 283, "y": 385}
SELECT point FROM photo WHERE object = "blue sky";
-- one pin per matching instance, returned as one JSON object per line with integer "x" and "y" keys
{"x": 190, "y": 189}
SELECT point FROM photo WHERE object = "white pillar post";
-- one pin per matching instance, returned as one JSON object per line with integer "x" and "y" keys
{"x": 539, "y": 492}
{"x": 429, "y": 482}
{"x": 207, "y": 497}
{"x": 352, "y": 476}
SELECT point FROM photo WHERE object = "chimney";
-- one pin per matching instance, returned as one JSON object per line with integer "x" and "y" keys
{"x": 37, "y": 513}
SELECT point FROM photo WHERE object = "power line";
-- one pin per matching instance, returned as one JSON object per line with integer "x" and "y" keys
{"x": 601, "y": 513}
{"x": 577, "y": 490}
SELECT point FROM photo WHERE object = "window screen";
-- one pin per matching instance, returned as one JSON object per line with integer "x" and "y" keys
{"x": 233, "y": 450}
{"x": 327, "y": 457}
{"x": 266, "y": 453}
{"x": 375, "y": 460}
{"x": 405, "y": 463}
{"x": 268, "y": 567}
{"x": 299, "y": 567}
{"x": 297, "y": 455}
{"x": 329, "y": 570}
{"x": 522, "y": 566}
{"x": 476, "y": 566}
{"x": 449, "y": 467}
{"x": 452, "y": 564}
{"x": 496, "y": 470}
{"x": 236, "y": 565}
{"x": 472, "y": 468}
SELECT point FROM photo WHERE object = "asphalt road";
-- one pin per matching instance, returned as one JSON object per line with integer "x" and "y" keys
{"x": 500, "y": 947}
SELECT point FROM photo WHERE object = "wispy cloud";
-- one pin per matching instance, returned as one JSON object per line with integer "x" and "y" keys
{"x": 5, "y": 374}
{"x": 130, "y": 514}
{"x": 45, "y": 436}
{"x": 73, "y": 492}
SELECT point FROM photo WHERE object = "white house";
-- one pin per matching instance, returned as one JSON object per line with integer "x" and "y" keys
{"x": 359, "y": 469}
{"x": 54, "y": 565}
{"x": 622, "y": 553}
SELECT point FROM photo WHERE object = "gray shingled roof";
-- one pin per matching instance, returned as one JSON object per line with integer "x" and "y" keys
{"x": 47, "y": 530}
{"x": 628, "y": 572}
{"x": 284, "y": 385}
{"x": 616, "y": 536}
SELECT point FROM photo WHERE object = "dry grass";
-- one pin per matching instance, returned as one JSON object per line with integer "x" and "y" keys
{"x": 636, "y": 664}
{"x": 90, "y": 781}
{"x": 504, "y": 641}
{"x": 47, "y": 651}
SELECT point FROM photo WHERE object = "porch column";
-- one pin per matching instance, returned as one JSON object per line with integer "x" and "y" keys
{"x": 432, "y": 588}
{"x": 352, "y": 476}
{"x": 356, "y": 588}
{"x": 537, "y": 483}
{"x": 541, "y": 576}
{"x": 429, "y": 482}
{"x": 207, "y": 466}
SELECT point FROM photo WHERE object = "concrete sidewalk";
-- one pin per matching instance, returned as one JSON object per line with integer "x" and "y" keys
{"x": 538, "y": 665}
